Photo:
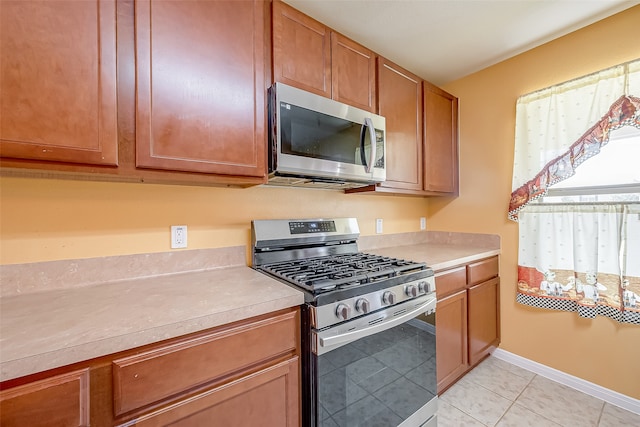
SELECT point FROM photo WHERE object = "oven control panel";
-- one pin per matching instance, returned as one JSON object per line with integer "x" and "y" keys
{"x": 304, "y": 227}
{"x": 351, "y": 308}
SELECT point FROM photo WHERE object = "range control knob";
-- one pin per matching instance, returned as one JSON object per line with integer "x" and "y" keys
{"x": 389, "y": 298}
{"x": 411, "y": 291}
{"x": 424, "y": 286}
{"x": 343, "y": 311}
{"x": 363, "y": 305}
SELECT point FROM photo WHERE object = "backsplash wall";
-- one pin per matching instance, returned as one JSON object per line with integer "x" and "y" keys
{"x": 49, "y": 219}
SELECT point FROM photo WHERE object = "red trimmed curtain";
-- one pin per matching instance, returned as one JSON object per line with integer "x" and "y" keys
{"x": 560, "y": 127}
{"x": 575, "y": 257}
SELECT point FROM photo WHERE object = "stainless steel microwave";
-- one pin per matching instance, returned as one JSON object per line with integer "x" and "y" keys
{"x": 318, "y": 142}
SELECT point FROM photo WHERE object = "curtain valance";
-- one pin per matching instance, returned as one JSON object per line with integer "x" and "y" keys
{"x": 550, "y": 137}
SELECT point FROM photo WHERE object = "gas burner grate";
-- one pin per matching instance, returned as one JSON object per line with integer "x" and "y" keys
{"x": 340, "y": 271}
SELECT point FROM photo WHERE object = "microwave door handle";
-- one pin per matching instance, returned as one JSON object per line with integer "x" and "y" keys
{"x": 368, "y": 166}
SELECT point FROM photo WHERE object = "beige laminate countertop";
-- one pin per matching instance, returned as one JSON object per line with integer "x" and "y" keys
{"x": 438, "y": 256}
{"x": 44, "y": 330}
{"x": 57, "y": 313}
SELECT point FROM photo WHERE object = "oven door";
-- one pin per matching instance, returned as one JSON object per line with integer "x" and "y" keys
{"x": 377, "y": 370}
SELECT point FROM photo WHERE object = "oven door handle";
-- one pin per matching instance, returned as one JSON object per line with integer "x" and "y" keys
{"x": 330, "y": 341}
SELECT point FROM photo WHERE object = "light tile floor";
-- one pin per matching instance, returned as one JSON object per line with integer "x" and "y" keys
{"x": 497, "y": 393}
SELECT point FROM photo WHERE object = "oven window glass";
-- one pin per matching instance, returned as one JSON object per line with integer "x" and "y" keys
{"x": 308, "y": 133}
{"x": 378, "y": 380}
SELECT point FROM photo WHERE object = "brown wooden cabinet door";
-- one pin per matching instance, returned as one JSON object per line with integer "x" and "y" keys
{"x": 400, "y": 102}
{"x": 62, "y": 400}
{"x": 58, "y": 81}
{"x": 353, "y": 71}
{"x": 484, "y": 320}
{"x": 451, "y": 339}
{"x": 201, "y": 86}
{"x": 301, "y": 50}
{"x": 269, "y": 397}
{"x": 440, "y": 140}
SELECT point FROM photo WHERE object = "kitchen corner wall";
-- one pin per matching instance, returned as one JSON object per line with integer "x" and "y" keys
{"x": 600, "y": 350}
{"x": 46, "y": 219}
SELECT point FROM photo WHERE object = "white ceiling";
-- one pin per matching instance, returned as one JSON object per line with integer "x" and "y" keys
{"x": 443, "y": 40}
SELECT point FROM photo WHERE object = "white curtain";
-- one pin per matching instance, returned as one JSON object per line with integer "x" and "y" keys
{"x": 583, "y": 258}
{"x": 559, "y": 127}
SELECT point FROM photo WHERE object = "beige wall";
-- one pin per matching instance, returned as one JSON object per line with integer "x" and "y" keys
{"x": 44, "y": 220}
{"x": 600, "y": 350}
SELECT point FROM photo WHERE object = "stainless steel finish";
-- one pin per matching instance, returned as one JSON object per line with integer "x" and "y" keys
{"x": 372, "y": 137}
{"x": 389, "y": 298}
{"x": 363, "y": 305}
{"x": 424, "y": 286}
{"x": 274, "y": 233}
{"x": 305, "y": 169}
{"x": 328, "y": 339}
{"x": 411, "y": 290}
{"x": 324, "y": 315}
{"x": 343, "y": 311}
{"x": 426, "y": 416}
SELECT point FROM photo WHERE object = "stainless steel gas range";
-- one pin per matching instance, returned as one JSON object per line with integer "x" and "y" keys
{"x": 368, "y": 356}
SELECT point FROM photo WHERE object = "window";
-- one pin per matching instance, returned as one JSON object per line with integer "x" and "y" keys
{"x": 613, "y": 175}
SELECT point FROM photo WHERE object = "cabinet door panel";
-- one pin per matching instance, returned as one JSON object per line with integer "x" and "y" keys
{"x": 451, "y": 339}
{"x": 266, "y": 398}
{"x": 400, "y": 102}
{"x": 441, "y": 140}
{"x": 58, "y": 81}
{"x": 353, "y": 71}
{"x": 301, "y": 51}
{"x": 484, "y": 321}
{"x": 62, "y": 401}
{"x": 200, "y": 86}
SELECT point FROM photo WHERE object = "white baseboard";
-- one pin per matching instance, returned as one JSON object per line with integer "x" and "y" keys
{"x": 610, "y": 396}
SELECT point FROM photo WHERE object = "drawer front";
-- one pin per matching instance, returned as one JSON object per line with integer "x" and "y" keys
{"x": 62, "y": 400}
{"x": 482, "y": 270}
{"x": 165, "y": 372}
{"x": 450, "y": 281}
{"x": 265, "y": 398}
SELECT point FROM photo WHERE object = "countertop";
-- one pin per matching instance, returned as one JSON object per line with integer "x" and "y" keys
{"x": 44, "y": 324}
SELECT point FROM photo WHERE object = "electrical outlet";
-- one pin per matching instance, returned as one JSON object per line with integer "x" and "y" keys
{"x": 379, "y": 225}
{"x": 178, "y": 236}
{"x": 423, "y": 223}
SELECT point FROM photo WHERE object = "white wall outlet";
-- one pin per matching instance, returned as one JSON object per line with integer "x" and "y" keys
{"x": 423, "y": 223}
{"x": 379, "y": 225}
{"x": 178, "y": 236}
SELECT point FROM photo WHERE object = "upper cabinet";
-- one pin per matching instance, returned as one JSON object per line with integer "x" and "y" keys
{"x": 58, "y": 81}
{"x": 201, "y": 86}
{"x": 440, "y": 140}
{"x": 310, "y": 56}
{"x": 142, "y": 91}
{"x": 400, "y": 102}
{"x": 421, "y": 137}
{"x": 301, "y": 51}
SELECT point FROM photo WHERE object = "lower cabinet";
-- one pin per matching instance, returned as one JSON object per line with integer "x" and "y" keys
{"x": 242, "y": 374}
{"x": 60, "y": 400}
{"x": 451, "y": 338}
{"x": 467, "y": 318}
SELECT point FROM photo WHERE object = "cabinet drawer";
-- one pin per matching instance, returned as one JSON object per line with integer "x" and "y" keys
{"x": 165, "y": 372}
{"x": 265, "y": 398}
{"x": 450, "y": 281}
{"x": 482, "y": 270}
{"x": 62, "y": 400}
